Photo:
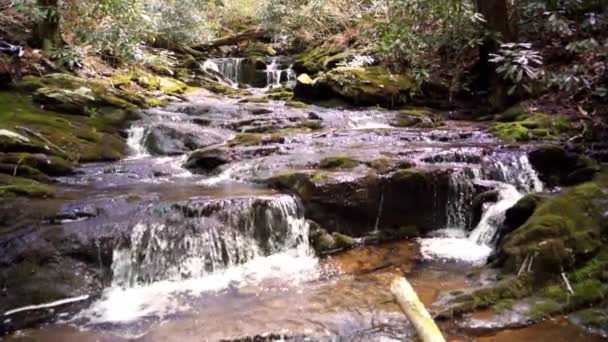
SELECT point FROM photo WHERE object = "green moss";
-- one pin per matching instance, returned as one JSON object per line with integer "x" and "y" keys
{"x": 315, "y": 60}
{"x": 313, "y": 125}
{"x": 260, "y": 49}
{"x": 562, "y": 231}
{"x": 510, "y": 289}
{"x": 544, "y": 309}
{"x": 280, "y": 96}
{"x": 338, "y": 162}
{"x": 296, "y": 104}
{"x": 532, "y": 127}
{"x": 343, "y": 241}
{"x": 66, "y": 136}
{"x": 16, "y": 186}
{"x": 418, "y": 117}
{"x": 381, "y": 165}
{"x": 512, "y": 114}
{"x": 247, "y": 139}
{"x": 255, "y": 100}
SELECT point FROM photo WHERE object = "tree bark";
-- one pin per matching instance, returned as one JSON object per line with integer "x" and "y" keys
{"x": 496, "y": 15}
{"x": 48, "y": 30}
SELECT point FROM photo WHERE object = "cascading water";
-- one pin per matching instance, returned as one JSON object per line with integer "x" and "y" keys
{"x": 274, "y": 73}
{"x": 205, "y": 246}
{"x": 512, "y": 176}
{"x": 135, "y": 142}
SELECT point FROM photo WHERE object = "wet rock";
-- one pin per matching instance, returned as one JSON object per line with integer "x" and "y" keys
{"x": 49, "y": 165}
{"x": 175, "y": 139}
{"x": 521, "y": 212}
{"x": 325, "y": 243}
{"x": 479, "y": 202}
{"x": 556, "y": 166}
{"x": 63, "y": 100}
{"x": 208, "y": 160}
{"x": 350, "y": 205}
{"x": 420, "y": 118}
{"x": 313, "y": 116}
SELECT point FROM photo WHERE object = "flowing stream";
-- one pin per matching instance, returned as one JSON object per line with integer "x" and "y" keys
{"x": 220, "y": 256}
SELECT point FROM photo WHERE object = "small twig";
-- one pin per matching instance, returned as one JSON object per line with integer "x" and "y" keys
{"x": 530, "y": 263}
{"x": 379, "y": 212}
{"x": 523, "y": 265}
{"x": 567, "y": 283}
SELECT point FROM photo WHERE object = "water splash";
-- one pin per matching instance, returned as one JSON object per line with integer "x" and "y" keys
{"x": 513, "y": 176}
{"x": 135, "y": 142}
{"x": 494, "y": 216}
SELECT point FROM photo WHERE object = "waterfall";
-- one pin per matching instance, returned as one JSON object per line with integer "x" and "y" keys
{"x": 203, "y": 246}
{"x": 494, "y": 215}
{"x": 512, "y": 176}
{"x": 461, "y": 193}
{"x": 200, "y": 238}
{"x": 273, "y": 73}
{"x": 135, "y": 142}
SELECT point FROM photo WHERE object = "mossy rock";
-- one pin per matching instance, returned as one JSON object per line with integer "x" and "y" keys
{"x": 325, "y": 243}
{"x": 418, "y": 117}
{"x": 517, "y": 215}
{"x": 296, "y": 104}
{"x": 338, "y": 162}
{"x": 536, "y": 126}
{"x": 318, "y": 59}
{"x": 49, "y": 165}
{"x": 69, "y": 137}
{"x": 360, "y": 86}
{"x": 280, "y": 96}
{"x": 563, "y": 231}
{"x": 260, "y": 49}
{"x": 247, "y": 139}
{"x": 11, "y": 186}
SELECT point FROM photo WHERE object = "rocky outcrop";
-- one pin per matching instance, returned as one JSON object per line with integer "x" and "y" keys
{"x": 360, "y": 86}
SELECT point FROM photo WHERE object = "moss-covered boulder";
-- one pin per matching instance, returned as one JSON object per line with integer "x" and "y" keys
{"x": 325, "y": 243}
{"x": 517, "y": 126}
{"x": 416, "y": 117}
{"x": 564, "y": 231}
{"x": 360, "y": 86}
{"x": 521, "y": 212}
{"x": 11, "y": 186}
{"x": 318, "y": 59}
{"x": 556, "y": 166}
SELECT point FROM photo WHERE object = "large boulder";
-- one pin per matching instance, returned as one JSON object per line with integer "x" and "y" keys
{"x": 556, "y": 166}
{"x": 360, "y": 86}
{"x": 563, "y": 232}
{"x": 351, "y": 205}
{"x": 176, "y": 138}
{"x": 208, "y": 160}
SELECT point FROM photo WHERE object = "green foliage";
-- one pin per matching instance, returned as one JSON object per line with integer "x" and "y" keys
{"x": 519, "y": 64}
{"x": 68, "y": 57}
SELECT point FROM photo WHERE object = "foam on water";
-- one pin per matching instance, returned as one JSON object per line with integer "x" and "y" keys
{"x": 165, "y": 298}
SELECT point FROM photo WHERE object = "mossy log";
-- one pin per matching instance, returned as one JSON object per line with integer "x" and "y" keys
{"x": 415, "y": 311}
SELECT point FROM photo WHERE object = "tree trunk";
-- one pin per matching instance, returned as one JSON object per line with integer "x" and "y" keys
{"x": 48, "y": 30}
{"x": 496, "y": 15}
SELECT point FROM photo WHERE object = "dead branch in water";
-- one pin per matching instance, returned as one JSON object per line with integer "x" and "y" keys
{"x": 415, "y": 311}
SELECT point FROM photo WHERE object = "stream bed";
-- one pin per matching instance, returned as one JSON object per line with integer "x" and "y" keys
{"x": 168, "y": 253}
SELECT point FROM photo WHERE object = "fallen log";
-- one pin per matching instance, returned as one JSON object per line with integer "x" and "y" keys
{"x": 415, "y": 311}
{"x": 254, "y": 34}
